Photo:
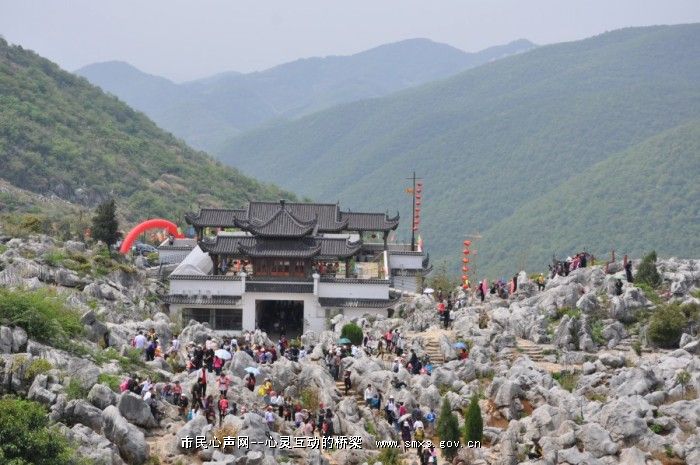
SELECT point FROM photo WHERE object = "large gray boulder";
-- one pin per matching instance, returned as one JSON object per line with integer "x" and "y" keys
{"x": 191, "y": 429}
{"x": 92, "y": 446}
{"x": 596, "y": 440}
{"x": 130, "y": 441}
{"x": 19, "y": 339}
{"x": 101, "y": 396}
{"x": 135, "y": 410}
{"x": 81, "y": 411}
{"x": 625, "y": 418}
{"x": 5, "y": 340}
{"x": 39, "y": 391}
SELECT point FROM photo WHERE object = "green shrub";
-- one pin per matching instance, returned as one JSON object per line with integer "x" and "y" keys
{"x": 597, "y": 333}
{"x": 112, "y": 381}
{"x": 448, "y": 429}
{"x": 650, "y": 293}
{"x": 352, "y": 332}
{"x": 310, "y": 399}
{"x": 637, "y": 347}
{"x": 473, "y": 423}
{"x": 389, "y": 456}
{"x": 38, "y": 366}
{"x": 27, "y": 438}
{"x": 42, "y": 314}
{"x": 54, "y": 257}
{"x": 566, "y": 380}
{"x": 75, "y": 390}
{"x": 666, "y": 326}
{"x": 647, "y": 272}
{"x": 571, "y": 312}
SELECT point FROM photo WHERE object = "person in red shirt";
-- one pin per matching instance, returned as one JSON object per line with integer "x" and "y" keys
{"x": 223, "y": 408}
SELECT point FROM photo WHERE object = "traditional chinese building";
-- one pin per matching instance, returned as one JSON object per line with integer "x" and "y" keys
{"x": 282, "y": 266}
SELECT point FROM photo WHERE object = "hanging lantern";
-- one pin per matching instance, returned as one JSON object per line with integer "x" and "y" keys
{"x": 467, "y": 243}
{"x": 465, "y": 268}
{"x": 464, "y": 277}
{"x": 465, "y": 287}
{"x": 465, "y": 251}
{"x": 417, "y": 203}
{"x": 465, "y": 260}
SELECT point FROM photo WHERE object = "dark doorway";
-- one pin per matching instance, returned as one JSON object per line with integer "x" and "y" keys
{"x": 277, "y": 317}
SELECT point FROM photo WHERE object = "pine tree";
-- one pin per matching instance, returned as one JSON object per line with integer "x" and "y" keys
{"x": 448, "y": 429}
{"x": 647, "y": 272}
{"x": 473, "y": 423}
{"x": 104, "y": 223}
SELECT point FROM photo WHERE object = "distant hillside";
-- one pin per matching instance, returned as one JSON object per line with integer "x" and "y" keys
{"x": 207, "y": 111}
{"x": 503, "y": 136}
{"x": 61, "y": 136}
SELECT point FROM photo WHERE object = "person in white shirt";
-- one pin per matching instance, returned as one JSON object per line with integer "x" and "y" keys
{"x": 140, "y": 341}
{"x": 270, "y": 418}
{"x": 369, "y": 394}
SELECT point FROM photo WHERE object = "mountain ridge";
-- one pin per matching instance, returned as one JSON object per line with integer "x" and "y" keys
{"x": 496, "y": 135}
{"x": 61, "y": 136}
{"x": 205, "y": 112}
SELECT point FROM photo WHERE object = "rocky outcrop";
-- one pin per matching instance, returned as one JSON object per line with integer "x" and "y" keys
{"x": 130, "y": 441}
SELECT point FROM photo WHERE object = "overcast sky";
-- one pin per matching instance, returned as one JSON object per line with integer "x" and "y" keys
{"x": 186, "y": 39}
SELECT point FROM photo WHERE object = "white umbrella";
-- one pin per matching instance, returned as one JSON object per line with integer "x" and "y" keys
{"x": 428, "y": 290}
{"x": 223, "y": 354}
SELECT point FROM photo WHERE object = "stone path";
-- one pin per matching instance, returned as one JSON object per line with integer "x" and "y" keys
{"x": 535, "y": 352}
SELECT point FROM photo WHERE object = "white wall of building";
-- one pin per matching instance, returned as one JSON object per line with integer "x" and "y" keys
{"x": 408, "y": 283}
{"x": 206, "y": 287}
{"x": 406, "y": 262}
{"x": 354, "y": 290}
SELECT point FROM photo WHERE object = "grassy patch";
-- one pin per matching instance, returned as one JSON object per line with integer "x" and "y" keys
{"x": 650, "y": 293}
{"x": 597, "y": 333}
{"x": 38, "y": 366}
{"x": 42, "y": 314}
{"x": 566, "y": 380}
{"x": 389, "y": 456}
{"x": 570, "y": 312}
{"x": 75, "y": 390}
{"x": 54, "y": 257}
{"x": 112, "y": 381}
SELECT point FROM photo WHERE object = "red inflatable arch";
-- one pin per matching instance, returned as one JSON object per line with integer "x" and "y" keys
{"x": 149, "y": 224}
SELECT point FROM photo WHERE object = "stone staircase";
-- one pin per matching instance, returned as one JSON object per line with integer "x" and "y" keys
{"x": 529, "y": 348}
{"x": 432, "y": 348}
{"x": 627, "y": 344}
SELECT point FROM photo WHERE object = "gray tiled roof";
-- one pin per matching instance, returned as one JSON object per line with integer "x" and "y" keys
{"x": 294, "y": 288}
{"x": 370, "y": 221}
{"x": 214, "y": 217}
{"x": 307, "y": 247}
{"x": 282, "y": 223}
{"x": 203, "y": 300}
{"x": 356, "y": 303}
{"x": 327, "y": 214}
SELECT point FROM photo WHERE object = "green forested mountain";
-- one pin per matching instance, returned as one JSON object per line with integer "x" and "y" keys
{"x": 60, "y": 135}
{"x": 495, "y": 140}
{"x": 646, "y": 197}
{"x": 206, "y": 112}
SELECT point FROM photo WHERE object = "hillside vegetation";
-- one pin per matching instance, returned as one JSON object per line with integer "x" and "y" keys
{"x": 510, "y": 135}
{"x": 61, "y": 136}
{"x": 207, "y": 111}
